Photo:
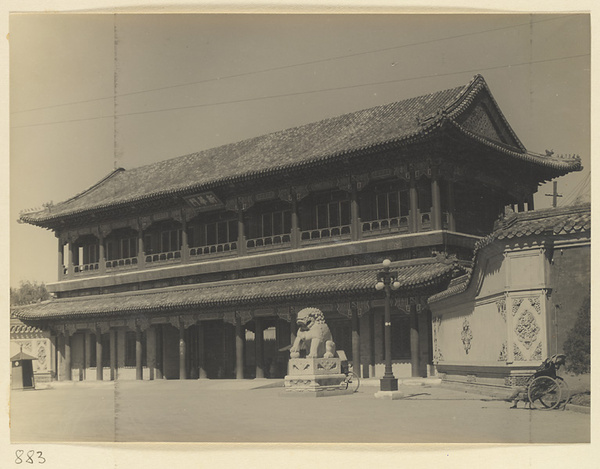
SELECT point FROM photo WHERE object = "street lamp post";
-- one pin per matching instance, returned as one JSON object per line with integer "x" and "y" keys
{"x": 387, "y": 281}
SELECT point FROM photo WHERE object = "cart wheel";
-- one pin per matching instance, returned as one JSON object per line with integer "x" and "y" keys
{"x": 565, "y": 392}
{"x": 353, "y": 381}
{"x": 545, "y": 390}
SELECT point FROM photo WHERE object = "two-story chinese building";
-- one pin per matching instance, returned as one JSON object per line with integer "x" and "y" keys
{"x": 194, "y": 267}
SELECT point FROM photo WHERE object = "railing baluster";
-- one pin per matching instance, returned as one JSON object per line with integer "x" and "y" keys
{"x": 268, "y": 242}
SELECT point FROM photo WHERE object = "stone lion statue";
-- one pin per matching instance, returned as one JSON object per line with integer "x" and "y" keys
{"x": 313, "y": 335}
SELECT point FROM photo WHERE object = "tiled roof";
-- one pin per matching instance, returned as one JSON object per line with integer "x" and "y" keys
{"x": 287, "y": 288}
{"x": 351, "y": 134}
{"x": 556, "y": 221}
{"x": 18, "y": 327}
{"x": 24, "y": 329}
{"x": 22, "y": 356}
{"x": 545, "y": 222}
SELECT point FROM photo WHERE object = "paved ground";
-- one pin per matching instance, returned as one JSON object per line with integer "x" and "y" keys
{"x": 256, "y": 411}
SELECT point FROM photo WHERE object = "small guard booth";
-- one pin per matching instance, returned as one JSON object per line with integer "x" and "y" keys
{"x": 22, "y": 371}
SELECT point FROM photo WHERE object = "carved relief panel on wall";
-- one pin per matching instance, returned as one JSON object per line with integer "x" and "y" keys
{"x": 527, "y": 329}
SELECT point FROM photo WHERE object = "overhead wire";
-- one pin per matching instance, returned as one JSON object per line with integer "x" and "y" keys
{"x": 578, "y": 186}
{"x": 577, "y": 191}
{"x": 301, "y": 64}
{"x": 298, "y": 93}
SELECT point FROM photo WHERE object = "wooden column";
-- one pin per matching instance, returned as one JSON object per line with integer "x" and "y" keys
{"x": 101, "y": 255}
{"x": 151, "y": 351}
{"x": 113, "y": 353}
{"x": 182, "y": 345}
{"x": 241, "y": 234}
{"x": 201, "y": 354}
{"x": 414, "y": 206}
{"x": 259, "y": 347}
{"x": 70, "y": 267}
{"x": 450, "y": 205}
{"x": 87, "y": 347}
{"x": 530, "y": 203}
{"x": 436, "y": 202}
{"x": 367, "y": 357}
{"x": 185, "y": 245}
{"x": 414, "y": 341}
{"x": 138, "y": 353}
{"x": 141, "y": 257}
{"x": 355, "y": 342}
{"x": 355, "y": 230}
{"x": 165, "y": 328}
{"x": 61, "y": 259}
{"x": 99, "y": 375}
{"x": 158, "y": 332}
{"x": 239, "y": 348}
{"x": 67, "y": 356}
{"x": 228, "y": 331}
{"x": 121, "y": 334}
{"x": 295, "y": 235}
{"x": 372, "y": 345}
{"x": 60, "y": 359}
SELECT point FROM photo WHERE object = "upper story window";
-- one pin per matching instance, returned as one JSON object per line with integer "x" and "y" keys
{"x": 424, "y": 195}
{"x": 89, "y": 254}
{"x": 121, "y": 248}
{"x": 162, "y": 237}
{"x": 270, "y": 224}
{"x": 86, "y": 254}
{"x": 333, "y": 214}
{"x": 170, "y": 240}
{"x": 209, "y": 234}
{"x": 326, "y": 210}
{"x": 385, "y": 205}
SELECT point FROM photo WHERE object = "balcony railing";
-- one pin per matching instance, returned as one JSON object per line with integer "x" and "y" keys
{"x": 203, "y": 251}
{"x": 386, "y": 225}
{"x": 118, "y": 264}
{"x": 86, "y": 268}
{"x": 269, "y": 242}
{"x": 161, "y": 257}
{"x": 368, "y": 230}
{"x": 331, "y": 233}
{"x": 445, "y": 220}
{"x": 426, "y": 221}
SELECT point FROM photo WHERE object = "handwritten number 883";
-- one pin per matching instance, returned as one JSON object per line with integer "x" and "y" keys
{"x": 22, "y": 457}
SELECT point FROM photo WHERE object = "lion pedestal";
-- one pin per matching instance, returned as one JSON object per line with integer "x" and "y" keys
{"x": 320, "y": 373}
{"x": 315, "y": 377}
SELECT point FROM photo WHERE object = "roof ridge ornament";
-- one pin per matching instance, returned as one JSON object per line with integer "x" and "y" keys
{"x": 441, "y": 113}
{"x": 445, "y": 258}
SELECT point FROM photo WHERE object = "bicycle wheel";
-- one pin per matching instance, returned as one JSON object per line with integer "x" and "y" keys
{"x": 545, "y": 391}
{"x": 353, "y": 381}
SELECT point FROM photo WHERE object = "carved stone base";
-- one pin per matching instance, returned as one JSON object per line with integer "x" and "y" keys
{"x": 314, "y": 366}
{"x": 315, "y": 377}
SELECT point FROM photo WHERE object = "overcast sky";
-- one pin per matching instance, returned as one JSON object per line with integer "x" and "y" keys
{"x": 184, "y": 83}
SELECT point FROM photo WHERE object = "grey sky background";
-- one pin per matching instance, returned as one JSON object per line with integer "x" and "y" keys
{"x": 244, "y": 76}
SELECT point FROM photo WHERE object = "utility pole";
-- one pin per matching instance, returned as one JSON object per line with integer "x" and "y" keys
{"x": 555, "y": 195}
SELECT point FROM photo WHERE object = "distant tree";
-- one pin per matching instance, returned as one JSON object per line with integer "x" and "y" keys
{"x": 577, "y": 346}
{"x": 28, "y": 292}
